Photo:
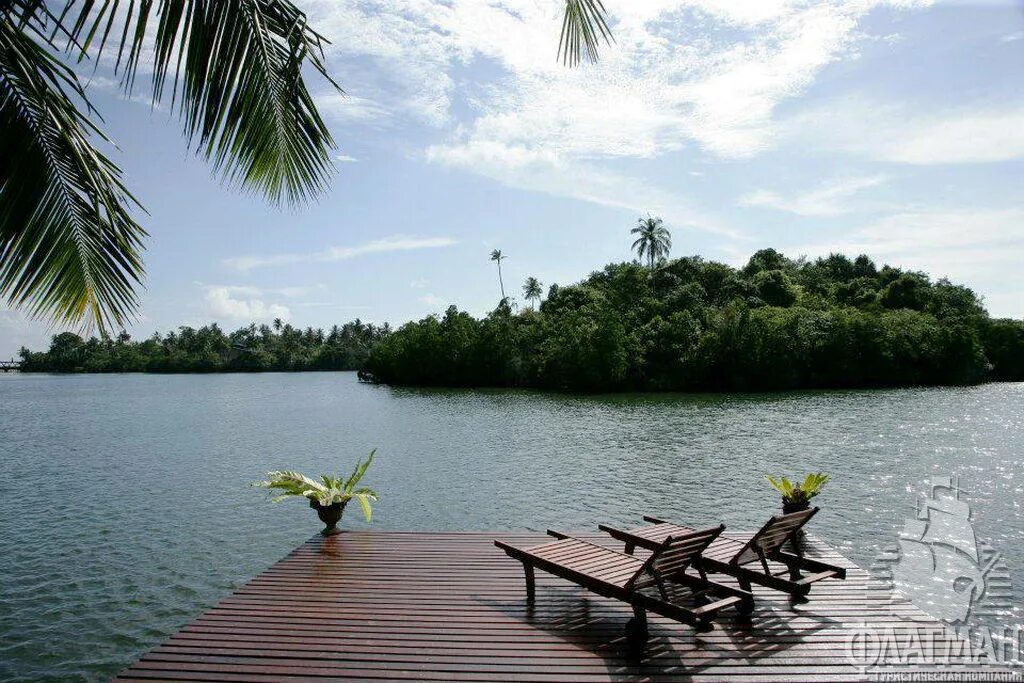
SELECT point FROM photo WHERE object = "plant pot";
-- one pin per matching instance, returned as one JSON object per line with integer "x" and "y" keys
{"x": 795, "y": 507}
{"x": 330, "y": 515}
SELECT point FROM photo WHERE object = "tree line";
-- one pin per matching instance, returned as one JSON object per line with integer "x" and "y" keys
{"x": 277, "y": 347}
{"x": 695, "y": 325}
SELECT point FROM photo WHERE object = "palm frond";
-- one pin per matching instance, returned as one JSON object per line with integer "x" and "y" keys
{"x": 237, "y": 80}
{"x": 291, "y": 484}
{"x": 364, "y": 503}
{"x": 69, "y": 247}
{"x": 584, "y": 23}
{"x": 360, "y": 470}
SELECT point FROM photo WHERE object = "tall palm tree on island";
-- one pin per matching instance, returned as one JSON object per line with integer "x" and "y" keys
{"x": 532, "y": 289}
{"x": 496, "y": 255}
{"x": 654, "y": 241}
{"x": 70, "y": 244}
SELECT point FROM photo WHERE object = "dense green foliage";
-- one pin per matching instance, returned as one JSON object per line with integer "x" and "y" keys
{"x": 691, "y": 324}
{"x": 208, "y": 349}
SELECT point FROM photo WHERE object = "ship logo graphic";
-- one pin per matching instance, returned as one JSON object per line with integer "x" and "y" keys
{"x": 940, "y": 565}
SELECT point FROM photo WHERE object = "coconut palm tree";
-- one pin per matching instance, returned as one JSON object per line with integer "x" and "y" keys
{"x": 654, "y": 241}
{"x": 496, "y": 255}
{"x": 532, "y": 289}
{"x": 70, "y": 245}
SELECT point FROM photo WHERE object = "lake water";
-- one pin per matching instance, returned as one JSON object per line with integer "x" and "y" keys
{"x": 124, "y": 507}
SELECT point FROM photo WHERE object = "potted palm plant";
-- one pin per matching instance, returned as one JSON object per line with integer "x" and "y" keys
{"x": 328, "y": 497}
{"x": 796, "y": 497}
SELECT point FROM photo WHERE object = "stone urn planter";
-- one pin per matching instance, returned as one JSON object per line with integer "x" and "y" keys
{"x": 330, "y": 515}
{"x": 789, "y": 506}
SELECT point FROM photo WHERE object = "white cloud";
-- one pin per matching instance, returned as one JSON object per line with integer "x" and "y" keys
{"x": 1012, "y": 37}
{"x": 896, "y": 133}
{"x": 419, "y": 284}
{"x": 345, "y": 158}
{"x": 682, "y": 73}
{"x": 251, "y": 290}
{"x": 93, "y": 81}
{"x": 220, "y": 302}
{"x": 542, "y": 171}
{"x": 831, "y": 198}
{"x": 963, "y": 137}
{"x": 432, "y": 301}
{"x": 395, "y": 243}
{"x": 348, "y": 110}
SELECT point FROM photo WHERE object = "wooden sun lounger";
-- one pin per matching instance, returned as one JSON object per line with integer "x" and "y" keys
{"x": 747, "y": 561}
{"x": 645, "y": 584}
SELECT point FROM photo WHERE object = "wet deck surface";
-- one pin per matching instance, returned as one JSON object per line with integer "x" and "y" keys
{"x": 451, "y": 607}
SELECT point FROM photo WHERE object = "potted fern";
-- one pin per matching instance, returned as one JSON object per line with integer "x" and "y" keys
{"x": 797, "y": 497}
{"x": 328, "y": 497}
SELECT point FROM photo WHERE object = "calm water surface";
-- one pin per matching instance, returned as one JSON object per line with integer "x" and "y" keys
{"x": 124, "y": 510}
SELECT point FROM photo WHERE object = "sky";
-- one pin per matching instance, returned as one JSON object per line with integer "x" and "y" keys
{"x": 893, "y": 128}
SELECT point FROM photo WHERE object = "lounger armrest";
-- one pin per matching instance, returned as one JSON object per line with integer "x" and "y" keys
{"x": 732, "y": 591}
{"x": 789, "y": 559}
{"x": 717, "y": 605}
{"x": 654, "y": 520}
{"x": 513, "y": 551}
{"x": 712, "y": 587}
{"x": 619, "y": 534}
{"x": 695, "y": 616}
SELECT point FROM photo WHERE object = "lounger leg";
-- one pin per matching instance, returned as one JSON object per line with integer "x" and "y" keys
{"x": 530, "y": 590}
{"x": 636, "y": 628}
{"x": 630, "y": 547}
{"x": 794, "y": 570}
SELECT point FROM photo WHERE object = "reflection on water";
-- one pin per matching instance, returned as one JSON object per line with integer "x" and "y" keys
{"x": 124, "y": 509}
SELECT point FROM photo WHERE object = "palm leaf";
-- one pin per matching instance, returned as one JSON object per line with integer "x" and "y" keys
{"x": 364, "y": 503}
{"x": 360, "y": 470}
{"x": 582, "y": 21}
{"x": 69, "y": 247}
{"x": 237, "y": 80}
{"x": 290, "y": 484}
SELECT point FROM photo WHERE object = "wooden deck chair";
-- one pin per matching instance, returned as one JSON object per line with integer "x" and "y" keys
{"x": 747, "y": 561}
{"x": 649, "y": 584}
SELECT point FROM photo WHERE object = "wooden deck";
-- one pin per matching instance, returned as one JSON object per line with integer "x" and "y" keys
{"x": 451, "y": 607}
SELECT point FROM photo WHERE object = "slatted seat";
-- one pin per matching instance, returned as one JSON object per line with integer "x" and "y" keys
{"x": 644, "y": 584}
{"x": 747, "y": 561}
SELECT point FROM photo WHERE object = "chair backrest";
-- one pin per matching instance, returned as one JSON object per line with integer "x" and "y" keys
{"x": 673, "y": 556}
{"x": 773, "y": 535}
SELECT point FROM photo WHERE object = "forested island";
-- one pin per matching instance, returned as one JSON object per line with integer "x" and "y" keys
{"x": 685, "y": 324}
{"x": 278, "y": 347}
{"x": 695, "y": 325}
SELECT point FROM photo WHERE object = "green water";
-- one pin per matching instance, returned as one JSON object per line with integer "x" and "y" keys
{"x": 124, "y": 510}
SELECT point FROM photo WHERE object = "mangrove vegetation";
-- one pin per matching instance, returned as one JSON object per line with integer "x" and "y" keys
{"x": 694, "y": 325}
{"x": 277, "y": 347}
{"x": 653, "y": 325}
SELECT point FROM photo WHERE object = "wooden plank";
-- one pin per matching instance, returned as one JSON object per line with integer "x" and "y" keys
{"x": 374, "y": 606}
